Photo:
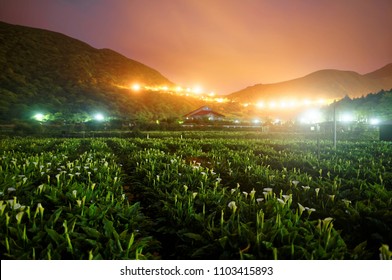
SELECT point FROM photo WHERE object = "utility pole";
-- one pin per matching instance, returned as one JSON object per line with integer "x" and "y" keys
{"x": 334, "y": 124}
{"x": 318, "y": 140}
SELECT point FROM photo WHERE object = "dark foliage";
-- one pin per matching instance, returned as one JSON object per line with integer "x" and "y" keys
{"x": 44, "y": 71}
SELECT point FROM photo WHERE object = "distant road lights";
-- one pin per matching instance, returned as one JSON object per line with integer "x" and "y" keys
{"x": 260, "y": 104}
{"x": 197, "y": 90}
{"x": 321, "y": 101}
{"x": 99, "y": 117}
{"x": 283, "y": 104}
{"x": 292, "y": 103}
{"x": 374, "y": 121}
{"x": 39, "y": 117}
{"x": 272, "y": 104}
{"x": 136, "y": 87}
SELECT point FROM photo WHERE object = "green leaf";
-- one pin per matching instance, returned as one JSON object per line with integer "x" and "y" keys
{"x": 55, "y": 236}
{"x": 108, "y": 227}
{"x": 56, "y": 215}
{"x": 92, "y": 232}
{"x": 360, "y": 248}
{"x": 92, "y": 242}
{"x": 193, "y": 236}
{"x": 204, "y": 251}
{"x": 223, "y": 240}
{"x": 123, "y": 235}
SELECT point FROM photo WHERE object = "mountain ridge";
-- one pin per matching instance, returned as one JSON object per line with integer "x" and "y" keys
{"x": 43, "y": 43}
{"x": 385, "y": 71}
{"x": 46, "y": 71}
{"x": 42, "y": 70}
{"x": 321, "y": 84}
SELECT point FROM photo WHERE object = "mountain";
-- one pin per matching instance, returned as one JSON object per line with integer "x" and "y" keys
{"x": 69, "y": 81}
{"x": 45, "y": 71}
{"x": 383, "y": 74}
{"x": 323, "y": 84}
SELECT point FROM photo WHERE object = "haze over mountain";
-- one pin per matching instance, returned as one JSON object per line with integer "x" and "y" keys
{"x": 44, "y": 71}
{"x": 323, "y": 84}
{"x": 47, "y": 72}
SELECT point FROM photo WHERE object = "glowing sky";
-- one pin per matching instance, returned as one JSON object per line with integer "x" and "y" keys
{"x": 224, "y": 45}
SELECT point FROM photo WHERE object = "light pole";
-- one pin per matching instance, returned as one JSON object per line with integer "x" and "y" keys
{"x": 334, "y": 124}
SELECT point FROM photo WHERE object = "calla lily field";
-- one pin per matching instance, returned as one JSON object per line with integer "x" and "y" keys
{"x": 195, "y": 195}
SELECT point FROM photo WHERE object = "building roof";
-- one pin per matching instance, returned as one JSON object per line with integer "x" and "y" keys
{"x": 203, "y": 111}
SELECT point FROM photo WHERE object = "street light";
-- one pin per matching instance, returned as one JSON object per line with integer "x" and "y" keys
{"x": 136, "y": 87}
{"x": 347, "y": 117}
{"x": 374, "y": 121}
{"x": 311, "y": 117}
{"x": 99, "y": 117}
{"x": 39, "y": 117}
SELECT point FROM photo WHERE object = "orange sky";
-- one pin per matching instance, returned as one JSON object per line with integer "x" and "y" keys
{"x": 224, "y": 45}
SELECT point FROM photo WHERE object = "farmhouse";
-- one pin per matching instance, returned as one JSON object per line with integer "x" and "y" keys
{"x": 204, "y": 113}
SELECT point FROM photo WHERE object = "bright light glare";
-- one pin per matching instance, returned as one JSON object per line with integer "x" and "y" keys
{"x": 321, "y": 101}
{"x": 260, "y": 104}
{"x": 272, "y": 104}
{"x": 136, "y": 87}
{"x": 374, "y": 121}
{"x": 39, "y": 117}
{"x": 99, "y": 117}
{"x": 292, "y": 103}
{"x": 197, "y": 90}
{"x": 347, "y": 117}
{"x": 303, "y": 120}
{"x": 256, "y": 121}
{"x": 311, "y": 116}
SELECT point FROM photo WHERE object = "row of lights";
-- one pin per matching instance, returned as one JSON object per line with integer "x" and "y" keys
{"x": 314, "y": 116}
{"x": 42, "y": 118}
{"x": 178, "y": 89}
{"x": 285, "y": 104}
{"x": 309, "y": 117}
{"x": 196, "y": 91}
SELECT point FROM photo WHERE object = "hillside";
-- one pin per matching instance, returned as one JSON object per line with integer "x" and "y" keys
{"x": 326, "y": 84}
{"x": 383, "y": 74}
{"x": 69, "y": 81}
{"x": 44, "y": 71}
